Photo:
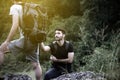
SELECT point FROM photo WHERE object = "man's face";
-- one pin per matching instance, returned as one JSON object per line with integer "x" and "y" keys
{"x": 59, "y": 35}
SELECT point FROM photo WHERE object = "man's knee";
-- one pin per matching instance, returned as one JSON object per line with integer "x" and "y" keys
{"x": 51, "y": 73}
{"x": 36, "y": 65}
{"x": 47, "y": 76}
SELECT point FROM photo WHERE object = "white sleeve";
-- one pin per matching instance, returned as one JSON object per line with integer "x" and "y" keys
{"x": 13, "y": 11}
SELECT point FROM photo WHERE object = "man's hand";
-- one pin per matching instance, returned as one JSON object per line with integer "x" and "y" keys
{"x": 53, "y": 58}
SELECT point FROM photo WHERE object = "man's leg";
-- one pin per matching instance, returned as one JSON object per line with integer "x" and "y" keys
{"x": 38, "y": 70}
{"x": 52, "y": 73}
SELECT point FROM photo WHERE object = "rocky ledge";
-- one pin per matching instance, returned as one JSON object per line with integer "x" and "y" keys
{"x": 88, "y": 75}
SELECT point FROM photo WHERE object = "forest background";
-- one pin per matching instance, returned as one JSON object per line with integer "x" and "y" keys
{"x": 93, "y": 27}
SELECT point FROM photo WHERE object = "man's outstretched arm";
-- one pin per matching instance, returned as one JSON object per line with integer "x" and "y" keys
{"x": 44, "y": 47}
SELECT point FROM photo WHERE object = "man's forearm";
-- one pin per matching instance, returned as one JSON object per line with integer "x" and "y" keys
{"x": 64, "y": 60}
{"x": 44, "y": 48}
{"x": 68, "y": 60}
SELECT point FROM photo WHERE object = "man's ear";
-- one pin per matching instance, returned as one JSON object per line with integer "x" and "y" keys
{"x": 63, "y": 35}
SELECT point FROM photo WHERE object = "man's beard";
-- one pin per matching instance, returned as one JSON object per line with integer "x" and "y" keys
{"x": 58, "y": 39}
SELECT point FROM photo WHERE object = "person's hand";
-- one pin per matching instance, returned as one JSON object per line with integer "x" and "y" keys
{"x": 4, "y": 46}
{"x": 53, "y": 58}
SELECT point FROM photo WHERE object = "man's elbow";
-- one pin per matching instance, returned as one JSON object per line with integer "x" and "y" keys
{"x": 70, "y": 57}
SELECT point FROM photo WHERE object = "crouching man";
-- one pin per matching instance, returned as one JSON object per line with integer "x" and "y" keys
{"x": 62, "y": 55}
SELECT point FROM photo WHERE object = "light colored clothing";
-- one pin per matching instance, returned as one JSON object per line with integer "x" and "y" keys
{"x": 22, "y": 45}
{"x": 17, "y": 9}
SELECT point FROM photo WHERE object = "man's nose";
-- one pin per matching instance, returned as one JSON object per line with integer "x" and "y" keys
{"x": 55, "y": 35}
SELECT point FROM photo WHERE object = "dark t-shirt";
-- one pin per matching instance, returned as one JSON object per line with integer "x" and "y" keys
{"x": 61, "y": 52}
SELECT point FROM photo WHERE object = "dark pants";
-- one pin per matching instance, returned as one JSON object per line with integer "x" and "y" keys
{"x": 52, "y": 73}
{"x": 56, "y": 70}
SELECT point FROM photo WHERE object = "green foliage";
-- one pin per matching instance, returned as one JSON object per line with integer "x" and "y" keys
{"x": 105, "y": 58}
{"x": 92, "y": 50}
{"x": 72, "y": 25}
{"x": 102, "y": 13}
{"x": 63, "y": 8}
{"x": 13, "y": 65}
{"x": 91, "y": 25}
{"x": 5, "y": 22}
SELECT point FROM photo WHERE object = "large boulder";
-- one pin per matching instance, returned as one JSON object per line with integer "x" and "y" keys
{"x": 88, "y": 75}
{"x": 15, "y": 77}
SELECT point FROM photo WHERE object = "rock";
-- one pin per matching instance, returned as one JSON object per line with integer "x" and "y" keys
{"x": 15, "y": 77}
{"x": 88, "y": 75}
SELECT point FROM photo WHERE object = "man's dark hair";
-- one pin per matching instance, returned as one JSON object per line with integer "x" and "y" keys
{"x": 60, "y": 29}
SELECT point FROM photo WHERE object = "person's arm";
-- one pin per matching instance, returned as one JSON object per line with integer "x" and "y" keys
{"x": 68, "y": 60}
{"x": 44, "y": 47}
{"x": 15, "y": 24}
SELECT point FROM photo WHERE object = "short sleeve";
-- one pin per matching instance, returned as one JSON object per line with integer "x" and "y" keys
{"x": 51, "y": 46}
{"x": 13, "y": 11}
{"x": 70, "y": 48}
